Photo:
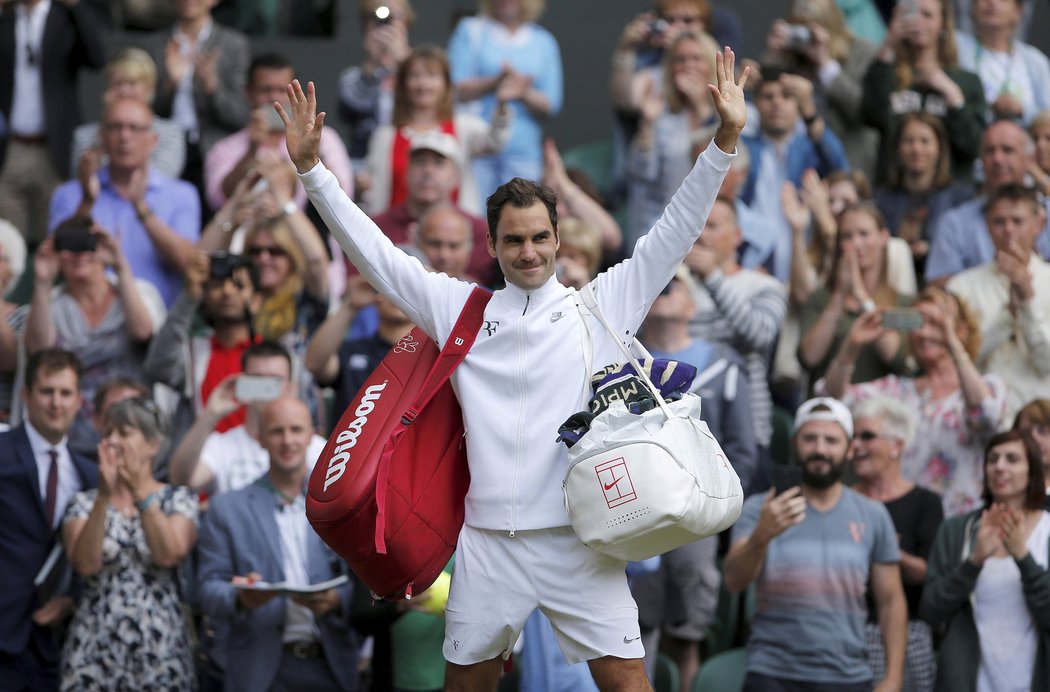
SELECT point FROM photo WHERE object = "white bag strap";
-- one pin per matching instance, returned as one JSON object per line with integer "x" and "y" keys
{"x": 592, "y": 304}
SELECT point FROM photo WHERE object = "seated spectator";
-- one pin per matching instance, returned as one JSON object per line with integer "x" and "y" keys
{"x": 203, "y": 67}
{"x": 1034, "y": 420}
{"x": 111, "y": 393}
{"x": 814, "y": 41}
{"x": 158, "y": 218}
{"x": 919, "y": 186}
{"x": 214, "y": 462}
{"x": 446, "y": 240}
{"x": 39, "y": 474}
{"x": 260, "y": 533}
{"x": 958, "y": 409}
{"x": 673, "y": 128}
{"x": 988, "y": 575}
{"x": 758, "y": 234}
{"x": 1011, "y": 297}
{"x": 366, "y": 91}
{"x": 126, "y": 540}
{"x": 107, "y": 323}
{"x": 232, "y": 158}
{"x": 132, "y": 74}
{"x": 580, "y": 201}
{"x": 434, "y": 169}
{"x": 741, "y": 309}
{"x": 1015, "y": 75}
{"x": 12, "y": 317}
{"x": 917, "y": 70}
{"x": 423, "y": 103}
{"x": 345, "y": 365}
{"x": 502, "y": 56}
{"x": 1039, "y": 167}
{"x": 812, "y": 576}
{"x": 964, "y": 18}
{"x": 860, "y": 286}
{"x": 960, "y": 236}
{"x": 883, "y": 429}
{"x": 791, "y": 124}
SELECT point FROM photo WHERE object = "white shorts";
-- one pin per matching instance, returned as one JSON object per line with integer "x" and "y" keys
{"x": 497, "y": 581}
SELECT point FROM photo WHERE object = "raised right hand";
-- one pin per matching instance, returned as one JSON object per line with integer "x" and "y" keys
{"x": 780, "y": 512}
{"x": 45, "y": 263}
{"x": 302, "y": 128}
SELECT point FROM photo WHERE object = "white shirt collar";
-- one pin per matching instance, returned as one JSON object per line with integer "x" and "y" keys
{"x": 39, "y": 444}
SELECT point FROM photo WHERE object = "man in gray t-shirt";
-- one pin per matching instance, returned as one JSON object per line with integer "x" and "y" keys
{"x": 812, "y": 551}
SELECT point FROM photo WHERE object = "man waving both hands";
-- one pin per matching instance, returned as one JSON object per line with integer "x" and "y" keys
{"x": 526, "y": 373}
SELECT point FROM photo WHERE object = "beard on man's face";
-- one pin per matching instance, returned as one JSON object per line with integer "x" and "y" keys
{"x": 822, "y": 477}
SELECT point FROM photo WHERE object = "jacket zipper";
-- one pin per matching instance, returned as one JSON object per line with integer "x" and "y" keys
{"x": 520, "y": 422}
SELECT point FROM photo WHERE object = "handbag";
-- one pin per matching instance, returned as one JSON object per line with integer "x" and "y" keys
{"x": 387, "y": 493}
{"x": 641, "y": 484}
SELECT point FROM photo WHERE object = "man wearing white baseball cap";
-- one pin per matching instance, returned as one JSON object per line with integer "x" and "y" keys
{"x": 812, "y": 550}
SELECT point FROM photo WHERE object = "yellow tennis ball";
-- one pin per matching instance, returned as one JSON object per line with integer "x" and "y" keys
{"x": 437, "y": 595}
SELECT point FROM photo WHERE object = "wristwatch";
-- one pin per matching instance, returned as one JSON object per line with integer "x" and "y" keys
{"x": 869, "y": 305}
{"x": 289, "y": 208}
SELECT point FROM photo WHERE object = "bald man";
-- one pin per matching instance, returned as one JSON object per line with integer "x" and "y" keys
{"x": 446, "y": 239}
{"x": 280, "y": 638}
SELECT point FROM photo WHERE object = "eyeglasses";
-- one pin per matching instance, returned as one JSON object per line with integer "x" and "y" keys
{"x": 866, "y": 436}
{"x": 115, "y": 128}
{"x": 271, "y": 250}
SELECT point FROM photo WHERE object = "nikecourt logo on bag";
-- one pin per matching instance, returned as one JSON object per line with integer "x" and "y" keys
{"x": 555, "y": 316}
{"x": 616, "y": 483}
{"x": 628, "y": 641}
{"x": 610, "y": 485}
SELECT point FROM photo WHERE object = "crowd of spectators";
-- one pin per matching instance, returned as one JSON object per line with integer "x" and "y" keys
{"x": 187, "y": 332}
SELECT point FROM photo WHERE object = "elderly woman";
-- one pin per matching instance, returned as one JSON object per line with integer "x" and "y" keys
{"x": 126, "y": 540}
{"x": 504, "y": 55}
{"x": 131, "y": 73}
{"x": 12, "y": 317}
{"x": 881, "y": 431}
{"x": 987, "y": 583}
{"x": 958, "y": 409}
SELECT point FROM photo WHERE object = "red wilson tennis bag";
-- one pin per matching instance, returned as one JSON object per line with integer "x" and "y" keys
{"x": 387, "y": 493}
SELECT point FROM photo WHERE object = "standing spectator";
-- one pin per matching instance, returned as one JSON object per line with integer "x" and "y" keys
{"x": 919, "y": 185}
{"x": 107, "y": 323}
{"x": 988, "y": 579}
{"x": 1015, "y": 75}
{"x": 812, "y": 552}
{"x": 958, "y": 409}
{"x": 815, "y": 42}
{"x": 423, "y": 103}
{"x": 502, "y": 55}
{"x": 232, "y": 158}
{"x": 203, "y": 68}
{"x": 126, "y": 540}
{"x": 883, "y": 429}
{"x": 260, "y": 533}
{"x": 446, "y": 239}
{"x": 132, "y": 74}
{"x": 43, "y": 46}
{"x": 39, "y": 475}
{"x": 12, "y": 317}
{"x": 960, "y": 237}
{"x": 579, "y": 200}
{"x": 156, "y": 218}
{"x": 1011, "y": 297}
{"x": 366, "y": 91}
{"x": 917, "y": 69}
{"x": 674, "y": 125}
{"x": 1034, "y": 419}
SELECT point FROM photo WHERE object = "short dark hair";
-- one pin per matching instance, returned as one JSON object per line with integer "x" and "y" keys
{"x": 118, "y": 382}
{"x": 1014, "y": 192}
{"x": 50, "y": 360}
{"x": 520, "y": 194}
{"x": 265, "y": 349}
{"x": 268, "y": 61}
{"x": 1035, "y": 493}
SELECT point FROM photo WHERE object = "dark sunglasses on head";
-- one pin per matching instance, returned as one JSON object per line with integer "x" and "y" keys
{"x": 272, "y": 250}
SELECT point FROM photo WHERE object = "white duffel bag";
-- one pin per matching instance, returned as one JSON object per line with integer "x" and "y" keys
{"x": 639, "y": 485}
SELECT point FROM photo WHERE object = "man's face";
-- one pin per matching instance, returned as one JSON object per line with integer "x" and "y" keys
{"x": 1014, "y": 222}
{"x": 430, "y": 178}
{"x": 286, "y": 434}
{"x": 445, "y": 238}
{"x": 526, "y": 245}
{"x": 821, "y": 447}
{"x": 676, "y": 305}
{"x": 127, "y": 134}
{"x": 52, "y": 402}
{"x": 777, "y": 109}
{"x": 194, "y": 9}
{"x": 721, "y": 232}
{"x": 1003, "y": 154}
{"x": 268, "y": 85}
{"x": 229, "y": 300}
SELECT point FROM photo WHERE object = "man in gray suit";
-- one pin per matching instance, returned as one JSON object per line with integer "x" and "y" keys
{"x": 276, "y": 640}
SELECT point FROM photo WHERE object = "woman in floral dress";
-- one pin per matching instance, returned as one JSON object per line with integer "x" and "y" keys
{"x": 126, "y": 540}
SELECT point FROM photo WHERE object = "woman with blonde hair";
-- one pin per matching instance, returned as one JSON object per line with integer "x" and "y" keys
{"x": 957, "y": 408}
{"x": 12, "y": 316}
{"x": 917, "y": 69}
{"x": 1039, "y": 166}
{"x": 131, "y": 73}
{"x": 423, "y": 102}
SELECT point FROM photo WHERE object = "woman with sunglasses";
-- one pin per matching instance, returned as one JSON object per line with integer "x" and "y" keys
{"x": 881, "y": 431}
{"x": 126, "y": 541}
{"x": 987, "y": 583}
